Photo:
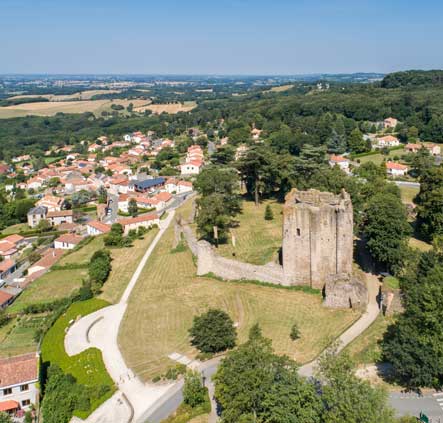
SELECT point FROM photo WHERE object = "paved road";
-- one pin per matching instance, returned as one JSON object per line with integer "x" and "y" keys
{"x": 407, "y": 184}
{"x": 412, "y": 404}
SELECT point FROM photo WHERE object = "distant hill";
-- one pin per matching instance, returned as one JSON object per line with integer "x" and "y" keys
{"x": 413, "y": 78}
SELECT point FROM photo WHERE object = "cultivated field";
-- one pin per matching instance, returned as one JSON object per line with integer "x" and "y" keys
{"x": 281, "y": 88}
{"x": 82, "y": 95}
{"x": 168, "y": 295}
{"x": 257, "y": 240}
{"x": 51, "y": 108}
{"x": 168, "y": 108}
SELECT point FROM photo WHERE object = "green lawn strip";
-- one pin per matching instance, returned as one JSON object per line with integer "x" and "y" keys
{"x": 54, "y": 285}
{"x": 185, "y": 413}
{"x": 87, "y": 367}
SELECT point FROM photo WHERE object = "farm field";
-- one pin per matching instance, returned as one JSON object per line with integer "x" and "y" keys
{"x": 54, "y": 285}
{"x": 257, "y": 240}
{"x": 51, "y": 108}
{"x": 82, "y": 95}
{"x": 168, "y": 295}
{"x": 168, "y": 108}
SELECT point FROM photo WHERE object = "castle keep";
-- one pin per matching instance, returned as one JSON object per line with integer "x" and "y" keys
{"x": 317, "y": 237}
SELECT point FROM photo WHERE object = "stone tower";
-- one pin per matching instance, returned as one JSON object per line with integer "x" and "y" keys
{"x": 317, "y": 237}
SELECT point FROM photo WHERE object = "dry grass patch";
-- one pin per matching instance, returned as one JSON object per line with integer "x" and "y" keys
{"x": 408, "y": 193}
{"x": 281, "y": 88}
{"x": 124, "y": 263}
{"x": 419, "y": 244}
{"x": 82, "y": 95}
{"x": 168, "y": 108}
{"x": 257, "y": 240}
{"x": 168, "y": 295}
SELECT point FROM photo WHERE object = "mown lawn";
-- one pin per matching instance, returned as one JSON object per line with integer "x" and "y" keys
{"x": 54, "y": 285}
{"x": 83, "y": 254}
{"x": 366, "y": 348}
{"x": 168, "y": 295}
{"x": 124, "y": 263}
{"x": 257, "y": 240}
{"x": 16, "y": 229}
{"x": 87, "y": 367}
{"x": 408, "y": 193}
{"x": 378, "y": 158}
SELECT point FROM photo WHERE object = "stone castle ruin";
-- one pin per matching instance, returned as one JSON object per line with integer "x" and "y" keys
{"x": 317, "y": 250}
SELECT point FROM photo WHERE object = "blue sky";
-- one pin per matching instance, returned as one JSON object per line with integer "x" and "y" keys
{"x": 219, "y": 37}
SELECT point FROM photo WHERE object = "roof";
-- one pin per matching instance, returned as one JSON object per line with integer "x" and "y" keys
{"x": 138, "y": 219}
{"x": 4, "y": 298}
{"x": 196, "y": 163}
{"x": 49, "y": 258}
{"x": 337, "y": 159}
{"x": 396, "y": 166}
{"x": 148, "y": 183}
{"x": 411, "y": 145}
{"x": 185, "y": 183}
{"x": 9, "y": 405}
{"x": 61, "y": 213}
{"x": 388, "y": 138}
{"x": 14, "y": 238}
{"x": 6, "y": 265}
{"x": 390, "y": 119}
{"x": 38, "y": 210}
{"x": 100, "y": 226}
{"x": 163, "y": 196}
{"x": 7, "y": 247}
{"x": 171, "y": 181}
{"x": 69, "y": 239}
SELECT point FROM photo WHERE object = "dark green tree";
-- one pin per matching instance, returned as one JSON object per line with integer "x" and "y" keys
{"x": 268, "y": 213}
{"x": 132, "y": 207}
{"x": 194, "y": 393}
{"x": 213, "y": 331}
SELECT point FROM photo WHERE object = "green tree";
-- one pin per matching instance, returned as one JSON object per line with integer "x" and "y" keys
{"x": 102, "y": 195}
{"x": 295, "y": 332}
{"x": 429, "y": 202}
{"x": 356, "y": 142}
{"x": 347, "y": 398}
{"x": 253, "y": 384}
{"x": 268, "y": 213}
{"x": 212, "y": 213}
{"x": 213, "y": 331}
{"x": 44, "y": 226}
{"x": 223, "y": 156}
{"x": 422, "y": 162}
{"x": 387, "y": 230}
{"x": 194, "y": 393}
{"x": 336, "y": 143}
{"x": 99, "y": 267}
{"x": 5, "y": 418}
{"x": 132, "y": 207}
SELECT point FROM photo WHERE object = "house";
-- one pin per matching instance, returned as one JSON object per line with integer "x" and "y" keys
{"x": 396, "y": 169}
{"x": 56, "y": 218}
{"x": 241, "y": 151}
{"x": 94, "y": 228}
{"x": 4, "y": 169}
{"x": 184, "y": 186}
{"x": 67, "y": 241}
{"x": 49, "y": 258}
{"x": 165, "y": 198}
{"x": 7, "y": 249}
{"x": 15, "y": 239}
{"x": 434, "y": 149}
{"x": 255, "y": 134}
{"x": 191, "y": 168}
{"x": 6, "y": 298}
{"x": 171, "y": 185}
{"x": 147, "y": 221}
{"x": 390, "y": 123}
{"x": 387, "y": 141}
{"x": 7, "y": 268}
{"x": 340, "y": 161}
{"x": 51, "y": 202}
{"x": 18, "y": 382}
{"x": 147, "y": 185}
{"x": 412, "y": 148}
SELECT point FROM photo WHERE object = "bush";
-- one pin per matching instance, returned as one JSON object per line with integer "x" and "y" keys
{"x": 268, "y": 213}
{"x": 99, "y": 267}
{"x": 213, "y": 332}
{"x": 295, "y": 332}
{"x": 194, "y": 393}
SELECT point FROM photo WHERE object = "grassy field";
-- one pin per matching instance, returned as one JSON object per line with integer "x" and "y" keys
{"x": 168, "y": 108}
{"x": 82, "y": 95}
{"x": 51, "y": 108}
{"x": 87, "y": 367}
{"x": 378, "y": 158}
{"x": 84, "y": 254}
{"x": 281, "y": 88}
{"x": 419, "y": 244}
{"x": 17, "y": 337}
{"x": 54, "y": 285}
{"x": 124, "y": 263}
{"x": 408, "y": 193}
{"x": 257, "y": 240}
{"x": 366, "y": 348}
{"x": 15, "y": 229}
{"x": 168, "y": 295}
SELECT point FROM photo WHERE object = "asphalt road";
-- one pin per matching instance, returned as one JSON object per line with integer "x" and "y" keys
{"x": 413, "y": 404}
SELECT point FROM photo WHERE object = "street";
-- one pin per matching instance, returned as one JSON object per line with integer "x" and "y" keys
{"x": 413, "y": 404}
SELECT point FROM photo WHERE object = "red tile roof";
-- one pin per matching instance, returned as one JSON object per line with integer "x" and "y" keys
{"x": 9, "y": 405}
{"x": 4, "y": 298}
{"x": 18, "y": 369}
{"x": 6, "y": 265}
{"x": 163, "y": 196}
{"x": 100, "y": 226}
{"x": 397, "y": 166}
{"x": 14, "y": 238}
{"x": 138, "y": 219}
{"x": 69, "y": 239}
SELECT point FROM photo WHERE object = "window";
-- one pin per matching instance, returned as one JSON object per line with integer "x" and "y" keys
{"x": 7, "y": 391}
{"x": 298, "y": 232}
{"x": 26, "y": 402}
{"x": 24, "y": 387}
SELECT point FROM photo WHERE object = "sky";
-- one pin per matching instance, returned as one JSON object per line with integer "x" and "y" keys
{"x": 256, "y": 37}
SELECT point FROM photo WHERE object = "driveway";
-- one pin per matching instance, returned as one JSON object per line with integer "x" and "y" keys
{"x": 100, "y": 330}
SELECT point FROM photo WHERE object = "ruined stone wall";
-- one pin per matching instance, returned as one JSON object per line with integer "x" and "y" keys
{"x": 317, "y": 237}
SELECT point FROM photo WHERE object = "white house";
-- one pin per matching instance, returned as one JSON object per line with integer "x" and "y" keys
{"x": 94, "y": 228}
{"x": 147, "y": 221}
{"x": 340, "y": 161}
{"x": 18, "y": 382}
{"x": 184, "y": 186}
{"x": 390, "y": 122}
{"x": 387, "y": 141}
{"x": 191, "y": 168}
{"x": 67, "y": 241}
{"x": 396, "y": 169}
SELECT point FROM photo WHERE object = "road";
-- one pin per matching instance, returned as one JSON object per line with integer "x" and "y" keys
{"x": 407, "y": 184}
{"x": 413, "y": 404}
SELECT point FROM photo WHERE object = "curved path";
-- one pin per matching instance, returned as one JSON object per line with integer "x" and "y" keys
{"x": 134, "y": 399}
